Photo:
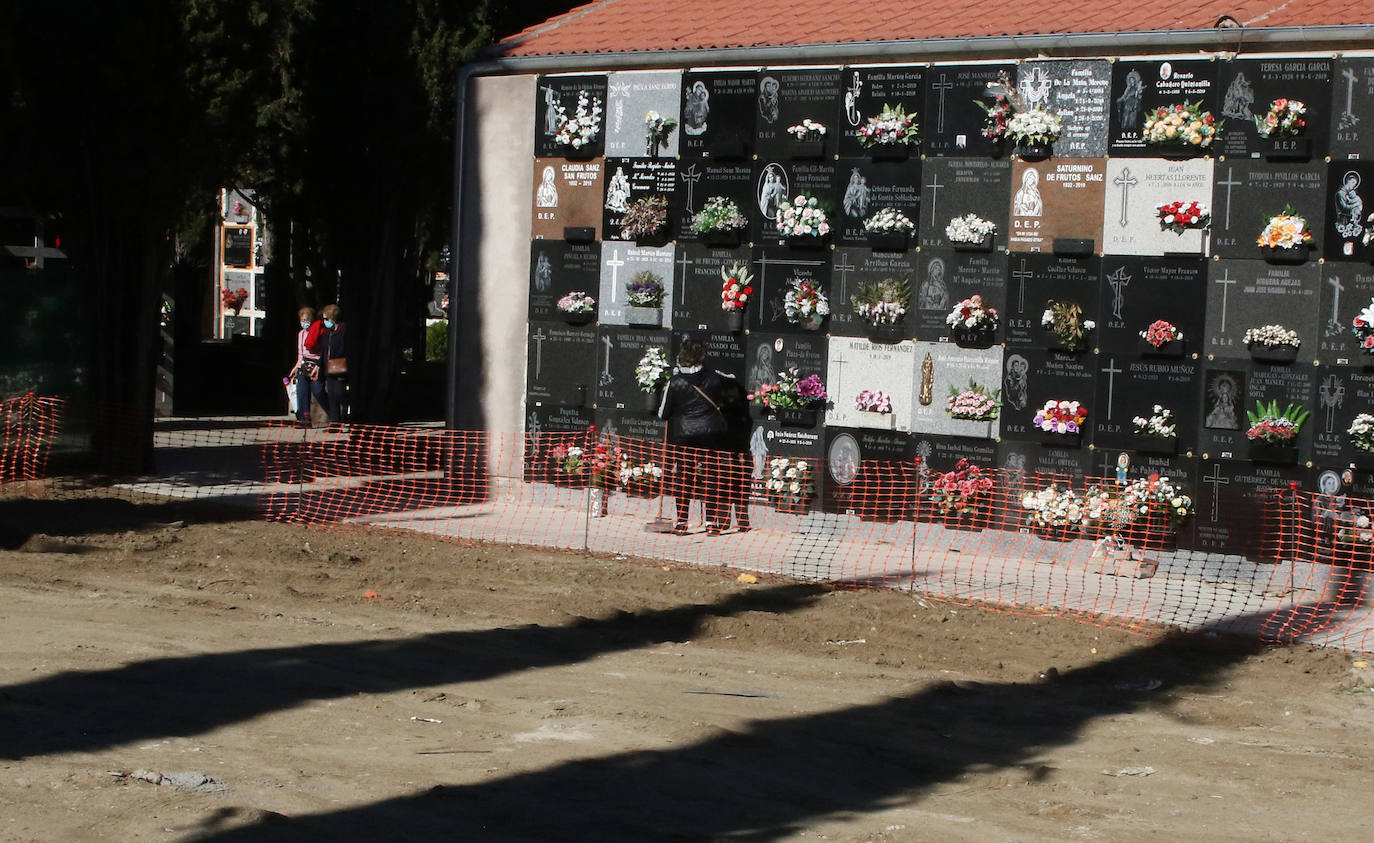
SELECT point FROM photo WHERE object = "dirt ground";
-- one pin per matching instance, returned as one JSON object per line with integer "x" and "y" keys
{"x": 176, "y": 673}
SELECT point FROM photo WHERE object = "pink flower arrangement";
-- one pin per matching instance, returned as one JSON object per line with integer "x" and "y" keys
{"x": 873, "y": 402}
{"x": 1061, "y": 417}
{"x": 736, "y": 287}
{"x": 1160, "y": 332}
{"x": 960, "y": 491}
{"x": 1363, "y": 327}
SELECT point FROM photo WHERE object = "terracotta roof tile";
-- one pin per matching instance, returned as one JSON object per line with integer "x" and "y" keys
{"x": 636, "y": 25}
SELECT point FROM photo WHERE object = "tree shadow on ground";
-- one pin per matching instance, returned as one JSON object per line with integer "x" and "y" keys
{"x": 778, "y": 776}
{"x": 84, "y": 514}
{"x": 190, "y": 695}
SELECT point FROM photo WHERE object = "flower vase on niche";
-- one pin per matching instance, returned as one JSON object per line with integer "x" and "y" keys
{"x": 1285, "y": 238}
{"x": 644, "y": 316}
{"x": 734, "y": 321}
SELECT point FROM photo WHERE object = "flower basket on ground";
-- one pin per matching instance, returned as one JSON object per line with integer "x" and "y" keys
{"x": 1285, "y": 238}
{"x": 1064, "y": 320}
{"x": 720, "y": 222}
{"x": 640, "y": 480}
{"x": 973, "y": 323}
{"x": 803, "y": 219}
{"x": 646, "y": 221}
{"x": 1181, "y": 128}
{"x": 1156, "y": 433}
{"x": 962, "y": 494}
{"x": 1161, "y": 339}
{"x": 805, "y": 304}
{"x": 651, "y": 373}
{"x": 889, "y": 230}
{"x": 1155, "y": 504}
{"x": 1363, "y": 327}
{"x": 1273, "y": 344}
{"x": 1054, "y": 512}
{"x": 883, "y": 305}
{"x": 970, "y": 233}
{"x": 736, "y": 288}
{"x": 577, "y": 132}
{"x": 976, "y": 403}
{"x": 890, "y": 134}
{"x": 792, "y": 399}
{"x": 571, "y": 466}
{"x": 790, "y": 483}
{"x": 1060, "y": 422}
{"x": 577, "y": 308}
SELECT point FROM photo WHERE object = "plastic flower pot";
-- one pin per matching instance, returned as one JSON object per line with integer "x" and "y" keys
{"x": 1144, "y": 443}
{"x": 734, "y": 321}
{"x": 1060, "y": 440}
{"x": 890, "y": 152}
{"x": 728, "y": 148}
{"x": 585, "y": 152}
{"x": 1288, "y": 149}
{"x": 974, "y": 337}
{"x": 888, "y": 241}
{"x": 805, "y": 241}
{"x": 651, "y": 317}
{"x": 1031, "y": 151}
{"x": 581, "y": 317}
{"x": 984, "y": 245}
{"x": 1278, "y": 355}
{"x": 1179, "y": 151}
{"x": 806, "y": 148}
{"x": 721, "y": 239}
{"x": 1268, "y": 452}
{"x": 1287, "y": 254}
{"x": 1172, "y": 348}
{"x": 887, "y": 334}
{"x": 652, "y": 400}
{"x": 811, "y": 323}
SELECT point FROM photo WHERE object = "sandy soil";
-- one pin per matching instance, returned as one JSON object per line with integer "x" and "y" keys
{"x": 174, "y": 673}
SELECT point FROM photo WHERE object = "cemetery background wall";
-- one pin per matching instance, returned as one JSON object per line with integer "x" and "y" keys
{"x": 1099, "y": 186}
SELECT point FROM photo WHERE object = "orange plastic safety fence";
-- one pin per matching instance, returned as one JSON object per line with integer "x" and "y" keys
{"x": 29, "y": 425}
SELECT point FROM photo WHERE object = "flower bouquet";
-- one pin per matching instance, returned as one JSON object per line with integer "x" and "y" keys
{"x": 1272, "y": 344}
{"x": 1065, "y": 320}
{"x": 1161, "y": 339}
{"x": 889, "y": 230}
{"x": 651, "y": 373}
{"x": 1363, "y": 327}
{"x": 976, "y": 403}
{"x": 1054, "y": 511}
{"x": 1033, "y": 130}
{"x": 970, "y": 233}
{"x": 1361, "y": 435}
{"x": 720, "y": 222}
{"x": 873, "y": 401}
{"x": 1273, "y": 434}
{"x": 1157, "y": 433}
{"x": 1181, "y": 128}
{"x": 657, "y": 128}
{"x": 735, "y": 289}
{"x": 639, "y": 480}
{"x": 233, "y": 299}
{"x": 572, "y": 465}
{"x": 577, "y": 308}
{"x": 1061, "y": 422}
{"x": 808, "y": 139}
{"x": 960, "y": 493}
{"x": 1283, "y": 126}
{"x": 646, "y": 221}
{"x": 1178, "y": 217}
{"x": 973, "y": 323}
{"x": 789, "y": 483}
{"x": 577, "y": 133}
{"x": 644, "y": 299}
{"x": 1153, "y": 508}
{"x": 793, "y": 399}
{"x": 883, "y": 304}
{"x": 890, "y": 134}
{"x": 803, "y": 220}
{"x": 1285, "y": 238}
{"x": 805, "y": 304}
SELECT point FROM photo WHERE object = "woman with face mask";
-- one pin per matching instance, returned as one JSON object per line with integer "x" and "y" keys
{"x": 335, "y": 355}
{"x": 306, "y": 373}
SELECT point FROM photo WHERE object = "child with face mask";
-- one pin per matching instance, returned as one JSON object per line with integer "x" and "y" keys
{"x": 306, "y": 373}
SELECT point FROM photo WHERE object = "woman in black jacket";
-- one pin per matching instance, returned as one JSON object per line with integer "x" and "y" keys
{"x": 696, "y": 427}
{"x": 335, "y": 352}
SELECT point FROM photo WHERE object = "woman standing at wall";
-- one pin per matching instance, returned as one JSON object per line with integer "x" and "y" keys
{"x": 335, "y": 355}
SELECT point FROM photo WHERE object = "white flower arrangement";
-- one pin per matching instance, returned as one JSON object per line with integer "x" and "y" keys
{"x": 804, "y": 300}
{"x": 1161, "y": 423}
{"x": 1272, "y": 336}
{"x": 789, "y": 478}
{"x": 636, "y": 473}
{"x": 972, "y": 314}
{"x": 1034, "y": 126}
{"x": 969, "y": 228}
{"x": 889, "y": 219}
{"x": 1361, "y": 432}
{"x": 652, "y": 370}
{"x": 1156, "y": 492}
{"x": 803, "y": 216}
{"x": 807, "y": 129}
{"x": 580, "y": 129}
{"x": 1054, "y": 507}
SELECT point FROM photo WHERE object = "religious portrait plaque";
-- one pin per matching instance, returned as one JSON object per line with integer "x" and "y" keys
{"x": 1078, "y": 91}
{"x": 1056, "y": 198}
{"x": 863, "y": 187}
{"x": 566, "y": 193}
{"x": 563, "y": 92}
{"x": 1141, "y": 86}
{"x": 788, "y": 97}
{"x": 1249, "y": 86}
{"x": 1349, "y": 201}
{"x": 629, "y": 180}
{"x": 943, "y": 370}
{"x": 558, "y": 268}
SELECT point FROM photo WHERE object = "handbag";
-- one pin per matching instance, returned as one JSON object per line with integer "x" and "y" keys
{"x": 336, "y": 366}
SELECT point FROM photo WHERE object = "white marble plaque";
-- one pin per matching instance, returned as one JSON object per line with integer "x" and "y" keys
{"x": 619, "y": 262}
{"x": 951, "y": 365}
{"x": 855, "y": 365}
{"x": 1135, "y": 187}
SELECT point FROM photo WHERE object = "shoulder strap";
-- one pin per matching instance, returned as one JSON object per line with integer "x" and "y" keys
{"x": 713, "y": 404}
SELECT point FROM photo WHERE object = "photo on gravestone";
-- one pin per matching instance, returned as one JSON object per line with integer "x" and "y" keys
{"x": 957, "y": 390}
{"x": 1056, "y": 198}
{"x": 642, "y": 113}
{"x": 625, "y": 263}
{"x": 1027, "y": 466}
{"x": 1349, "y": 204}
{"x": 1078, "y": 91}
{"x": 718, "y": 113}
{"x": 547, "y": 428}
{"x": 1129, "y": 386}
{"x": 618, "y": 352}
{"x": 864, "y": 187}
{"x": 769, "y": 354}
{"x": 1137, "y": 293}
{"x": 782, "y": 180}
{"x": 702, "y": 183}
{"x": 1247, "y": 193}
{"x": 1347, "y": 290}
{"x": 1294, "y": 384}
{"x": 644, "y": 190}
{"x": 870, "y": 474}
{"x": 787, "y": 98}
{"x": 1034, "y": 281}
{"x": 1236, "y": 517}
{"x": 1031, "y": 377}
{"x": 1249, "y": 88}
{"x": 854, "y": 269}
{"x": 560, "y": 365}
{"x": 566, "y": 194}
{"x": 954, "y": 121}
{"x": 639, "y": 436}
{"x": 1247, "y": 294}
{"x": 1133, "y": 222}
{"x": 870, "y": 90}
{"x": 1341, "y": 396}
{"x": 557, "y": 103}
{"x": 1141, "y": 86}
{"x": 558, "y": 268}
{"x": 778, "y": 271}
{"x": 955, "y": 188}
{"x": 697, "y": 284}
{"x": 1352, "y": 108}
{"x": 872, "y": 385}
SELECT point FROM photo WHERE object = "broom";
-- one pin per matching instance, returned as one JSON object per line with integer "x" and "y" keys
{"x": 661, "y": 524}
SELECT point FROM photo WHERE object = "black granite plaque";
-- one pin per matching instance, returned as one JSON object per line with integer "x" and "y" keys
{"x": 1248, "y": 86}
{"x": 1135, "y": 292}
{"x": 954, "y": 121}
{"x": 1129, "y": 385}
{"x": 769, "y": 354}
{"x": 637, "y": 432}
{"x": 1235, "y": 507}
{"x": 945, "y": 278}
{"x": 700, "y": 180}
{"x": 1294, "y": 383}
{"x": 560, "y": 365}
{"x": 1139, "y": 87}
{"x": 558, "y": 268}
{"x": 1352, "y": 108}
{"x": 726, "y": 353}
{"x": 774, "y": 271}
{"x": 618, "y": 352}
{"x": 1245, "y": 194}
{"x": 718, "y": 113}
{"x": 1349, "y": 202}
{"x": 870, "y": 473}
{"x": 863, "y": 187}
{"x": 629, "y": 179}
{"x": 1346, "y": 290}
{"x": 854, "y": 267}
{"x": 786, "y": 98}
{"x": 1079, "y": 91}
{"x": 1032, "y": 376}
{"x": 1250, "y": 294}
{"x": 957, "y": 187}
{"x": 697, "y": 284}
{"x": 867, "y": 90}
{"x": 1341, "y": 395}
{"x": 1028, "y": 466}
{"x": 1034, "y": 279}
{"x": 780, "y": 179}
{"x": 554, "y": 91}
{"x": 945, "y": 451}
